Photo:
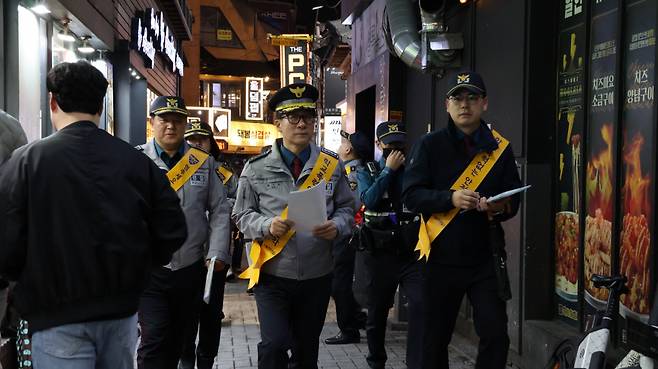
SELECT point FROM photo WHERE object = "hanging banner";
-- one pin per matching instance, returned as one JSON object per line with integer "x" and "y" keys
{"x": 602, "y": 142}
{"x": 254, "y": 88}
{"x": 294, "y": 63}
{"x": 569, "y": 127}
{"x": 639, "y": 159}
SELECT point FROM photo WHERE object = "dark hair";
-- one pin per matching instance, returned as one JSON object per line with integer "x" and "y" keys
{"x": 77, "y": 87}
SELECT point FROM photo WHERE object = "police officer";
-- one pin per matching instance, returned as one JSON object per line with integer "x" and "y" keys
{"x": 460, "y": 262}
{"x": 199, "y": 134}
{"x": 348, "y": 312}
{"x": 171, "y": 302}
{"x": 392, "y": 233}
{"x": 291, "y": 269}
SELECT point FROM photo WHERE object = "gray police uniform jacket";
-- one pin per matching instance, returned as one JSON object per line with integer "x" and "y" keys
{"x": 207, "y": 213}
{"x": 263, "y": 191}
{"x": 354, "y": 166}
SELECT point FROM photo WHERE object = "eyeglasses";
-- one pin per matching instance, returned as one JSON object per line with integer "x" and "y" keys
{"x": 294, "y": 119}
{"x": 470, "y": 98}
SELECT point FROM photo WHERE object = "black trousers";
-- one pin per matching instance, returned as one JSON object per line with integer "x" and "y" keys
{"x": 347, "y": 309}
{"x": 449, "y": 285}
{"x": 167, "y": 311}
{"x": 209, "y": 328}
{"x": 387, "y": 270}
{"x": 291, "y": 315}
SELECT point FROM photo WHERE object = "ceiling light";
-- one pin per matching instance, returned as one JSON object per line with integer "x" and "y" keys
{"x": 317, "y": 7}
{"x": 267, "y": 78}
{"x": 40, "y": 9}
{"x": 137, "y": 77}
{"x": 64, "y": 34}
{"x": 85, "y": 48}
{"x": 134, "y": 73}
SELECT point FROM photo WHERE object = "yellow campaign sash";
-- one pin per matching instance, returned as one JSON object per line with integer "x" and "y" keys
{"x": 470, "y": 179}
{"x": 262, "y": 252}
{"x": 224, "y": 173}
{"x": 186, "y": 167}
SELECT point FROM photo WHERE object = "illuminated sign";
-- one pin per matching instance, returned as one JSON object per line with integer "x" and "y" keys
{"x": 294, "y": 63}
{"x": 252, "y": 134}
{"x": 150, "y": 34}
{"x": 254, "y": 99}
{"x": 219, "y": 119}
{"x": 332, "y": 126}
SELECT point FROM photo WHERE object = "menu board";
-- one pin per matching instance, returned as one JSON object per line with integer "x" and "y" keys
{"x": 638, "y": 157}
{"x": 569, "y": 133}
{"x": 602, "y": 142}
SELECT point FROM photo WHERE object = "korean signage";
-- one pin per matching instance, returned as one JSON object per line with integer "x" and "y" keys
{"x": 150, "y": 34}
{"x": 570, "y": 123}
{"x": 252, "y": 134}
{"x": 368, "y": 41}
{"x": 254, "y": 101}
{"x": 601, "y": 155}
{"x": 294, "y": 63}
{"x": 638, "y": 163}
{"x": 332, "y": 126}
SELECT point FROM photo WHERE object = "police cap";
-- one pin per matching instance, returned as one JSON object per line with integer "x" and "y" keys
{"x": 359, "y": 142}
{"x": 168, "y": 104}
{"x": 470, "y": 81}
{"x": 391, "y": 131}
{"x": 294, "y": 96}
{"x": 198, "y": 128}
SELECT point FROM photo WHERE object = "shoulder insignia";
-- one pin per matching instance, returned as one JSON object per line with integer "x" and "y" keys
{"x": 257, "y": 157}
{"x": 329, "y": 152}
{"x": 140, "y": 147}
{"x": 354, "y": 186}
{"x": 373, "y": 168}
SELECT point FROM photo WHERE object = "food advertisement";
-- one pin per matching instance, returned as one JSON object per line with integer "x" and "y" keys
{"x": 600, "y": 191}
{"x": 638, "y": 157}
{"x": 569, "y": 133}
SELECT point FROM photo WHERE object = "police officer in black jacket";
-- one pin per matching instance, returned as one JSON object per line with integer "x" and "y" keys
{"x": 389, "y": 240}
{"x": 461, "y": 260}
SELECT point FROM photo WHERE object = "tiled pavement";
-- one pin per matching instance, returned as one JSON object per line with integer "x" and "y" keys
{"x": 240, "y": 335}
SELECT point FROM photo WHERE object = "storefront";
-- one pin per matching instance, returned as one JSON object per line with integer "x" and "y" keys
{"x": 48, "y": 33}
{"x": 571, "y": 85}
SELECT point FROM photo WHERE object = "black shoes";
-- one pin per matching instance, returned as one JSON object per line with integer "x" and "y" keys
{"x": 341, "y": 339}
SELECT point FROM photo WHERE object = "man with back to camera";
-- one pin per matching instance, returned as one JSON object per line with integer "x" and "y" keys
{"x": 291, "y": 270}
{"x": 349, "y": 316}
{"x": 461, "y": 261}
{"x": 84, "y": 218}
{"x": 170, "y": 305}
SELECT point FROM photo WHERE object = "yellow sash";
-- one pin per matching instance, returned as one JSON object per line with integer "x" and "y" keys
{"x": 470, "y": 179}
{"x": 186, "y": 167}
{"x": 261, "y": 253}
{"x": 224, "y": 173}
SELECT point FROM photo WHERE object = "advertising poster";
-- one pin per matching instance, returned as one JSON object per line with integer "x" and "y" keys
{"x": 600, "y": 179}
{"x": 638, "y": 158}
{"x": 569, "y": 133}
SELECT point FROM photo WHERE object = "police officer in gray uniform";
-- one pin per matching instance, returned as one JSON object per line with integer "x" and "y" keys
{"x": 354, "y": 147}
{"x": 292, "y": 293}
{"x": 171, "y": 302}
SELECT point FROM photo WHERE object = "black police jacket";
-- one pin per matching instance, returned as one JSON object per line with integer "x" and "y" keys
{"x": 83, "y": 218}
{"x": 437, "y": 160}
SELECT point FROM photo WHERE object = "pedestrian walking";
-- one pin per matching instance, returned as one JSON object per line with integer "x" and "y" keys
{"x": 475, "y": 163}
{"x": 349, "y": 316}
{"x": 291, "y": 270}
{"x": 169, "y": 307}
{"x": 84, "y": 219}
{"x": 209, "y": 322}
{"x": 388, "y": 241}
